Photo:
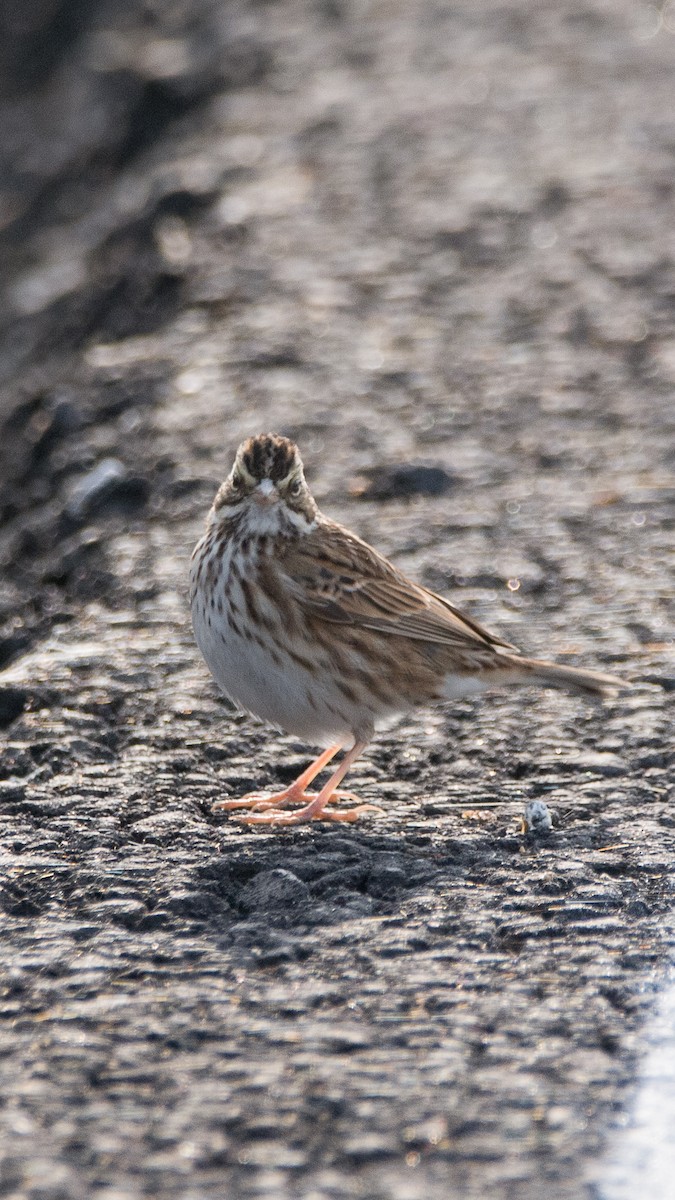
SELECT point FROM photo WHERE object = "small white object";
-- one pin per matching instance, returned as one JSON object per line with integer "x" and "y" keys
{"x": 537, "y": 817}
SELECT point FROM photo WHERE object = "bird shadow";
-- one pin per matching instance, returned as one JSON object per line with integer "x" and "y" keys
{"x": 272, "y": 896}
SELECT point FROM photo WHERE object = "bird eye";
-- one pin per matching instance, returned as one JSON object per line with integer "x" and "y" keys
{"x": 295, "y": 488}
{"x": 237, "y": 482}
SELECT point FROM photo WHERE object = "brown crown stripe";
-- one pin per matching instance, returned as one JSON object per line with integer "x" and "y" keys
{"x": 269, "y": 456}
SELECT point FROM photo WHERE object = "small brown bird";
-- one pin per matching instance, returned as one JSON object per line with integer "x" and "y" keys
{"x": 305, "y": 625}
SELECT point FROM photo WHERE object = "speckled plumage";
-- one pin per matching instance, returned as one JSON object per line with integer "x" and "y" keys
{"x": 305, "y": 625}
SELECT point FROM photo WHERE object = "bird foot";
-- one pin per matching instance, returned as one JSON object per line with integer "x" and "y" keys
{"x": 263, "y": 800}
{"x": 312, "y": 812}
{"x": 266, "y": 810}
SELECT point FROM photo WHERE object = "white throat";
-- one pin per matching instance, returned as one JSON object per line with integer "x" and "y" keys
{"x": 258, "y": 521}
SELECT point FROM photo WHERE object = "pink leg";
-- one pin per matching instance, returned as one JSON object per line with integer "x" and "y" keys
{"x": 316, "y": 809}
{"x": 293, "y": 794}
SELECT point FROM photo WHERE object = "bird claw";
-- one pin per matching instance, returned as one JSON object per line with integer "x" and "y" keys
{"x": 253, "y": 800}
{"x": 304, "y": 815}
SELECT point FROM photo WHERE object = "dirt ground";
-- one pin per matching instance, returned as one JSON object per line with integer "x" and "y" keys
{"x": 409, "y": 235}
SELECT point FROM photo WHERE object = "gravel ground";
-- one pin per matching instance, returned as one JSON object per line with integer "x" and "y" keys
{"x": 432, "y": 242}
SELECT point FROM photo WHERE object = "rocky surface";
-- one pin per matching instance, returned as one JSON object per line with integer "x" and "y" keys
{"x": 434, "y": 244}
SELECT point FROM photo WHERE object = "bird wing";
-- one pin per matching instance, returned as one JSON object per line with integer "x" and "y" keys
{"x": 336, "y": 576}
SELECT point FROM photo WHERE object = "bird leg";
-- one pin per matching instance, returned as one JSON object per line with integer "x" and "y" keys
{"x": 291, "y": 795}
{"x": 316, "y": 808}
{"x": 316, "y": 804}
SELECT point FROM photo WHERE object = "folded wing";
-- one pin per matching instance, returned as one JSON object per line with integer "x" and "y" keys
{"x": 337, "y": 577}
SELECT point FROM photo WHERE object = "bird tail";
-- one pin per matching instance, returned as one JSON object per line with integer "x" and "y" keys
{"x": 570, "y": 679}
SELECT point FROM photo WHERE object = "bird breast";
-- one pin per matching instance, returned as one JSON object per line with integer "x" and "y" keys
{"x": 254, "y": 648}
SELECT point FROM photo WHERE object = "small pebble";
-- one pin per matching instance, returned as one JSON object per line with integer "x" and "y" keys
{"x": 96, "y": 483}
{"x": 537, "y": 817}
{"x": 107, "y": 484}
{"x": 273, "y": 889}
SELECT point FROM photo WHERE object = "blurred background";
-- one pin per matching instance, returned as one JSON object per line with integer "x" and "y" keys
{"x": 431, "y": 241}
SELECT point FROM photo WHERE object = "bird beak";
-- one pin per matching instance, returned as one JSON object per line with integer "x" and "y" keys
{"x": 265, "y": 494}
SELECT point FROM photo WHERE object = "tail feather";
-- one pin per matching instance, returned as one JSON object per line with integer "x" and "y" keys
{"x": 571, "y": 679}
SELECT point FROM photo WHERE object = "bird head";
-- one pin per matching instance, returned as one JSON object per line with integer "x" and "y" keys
{"x": 267, "y": 485}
